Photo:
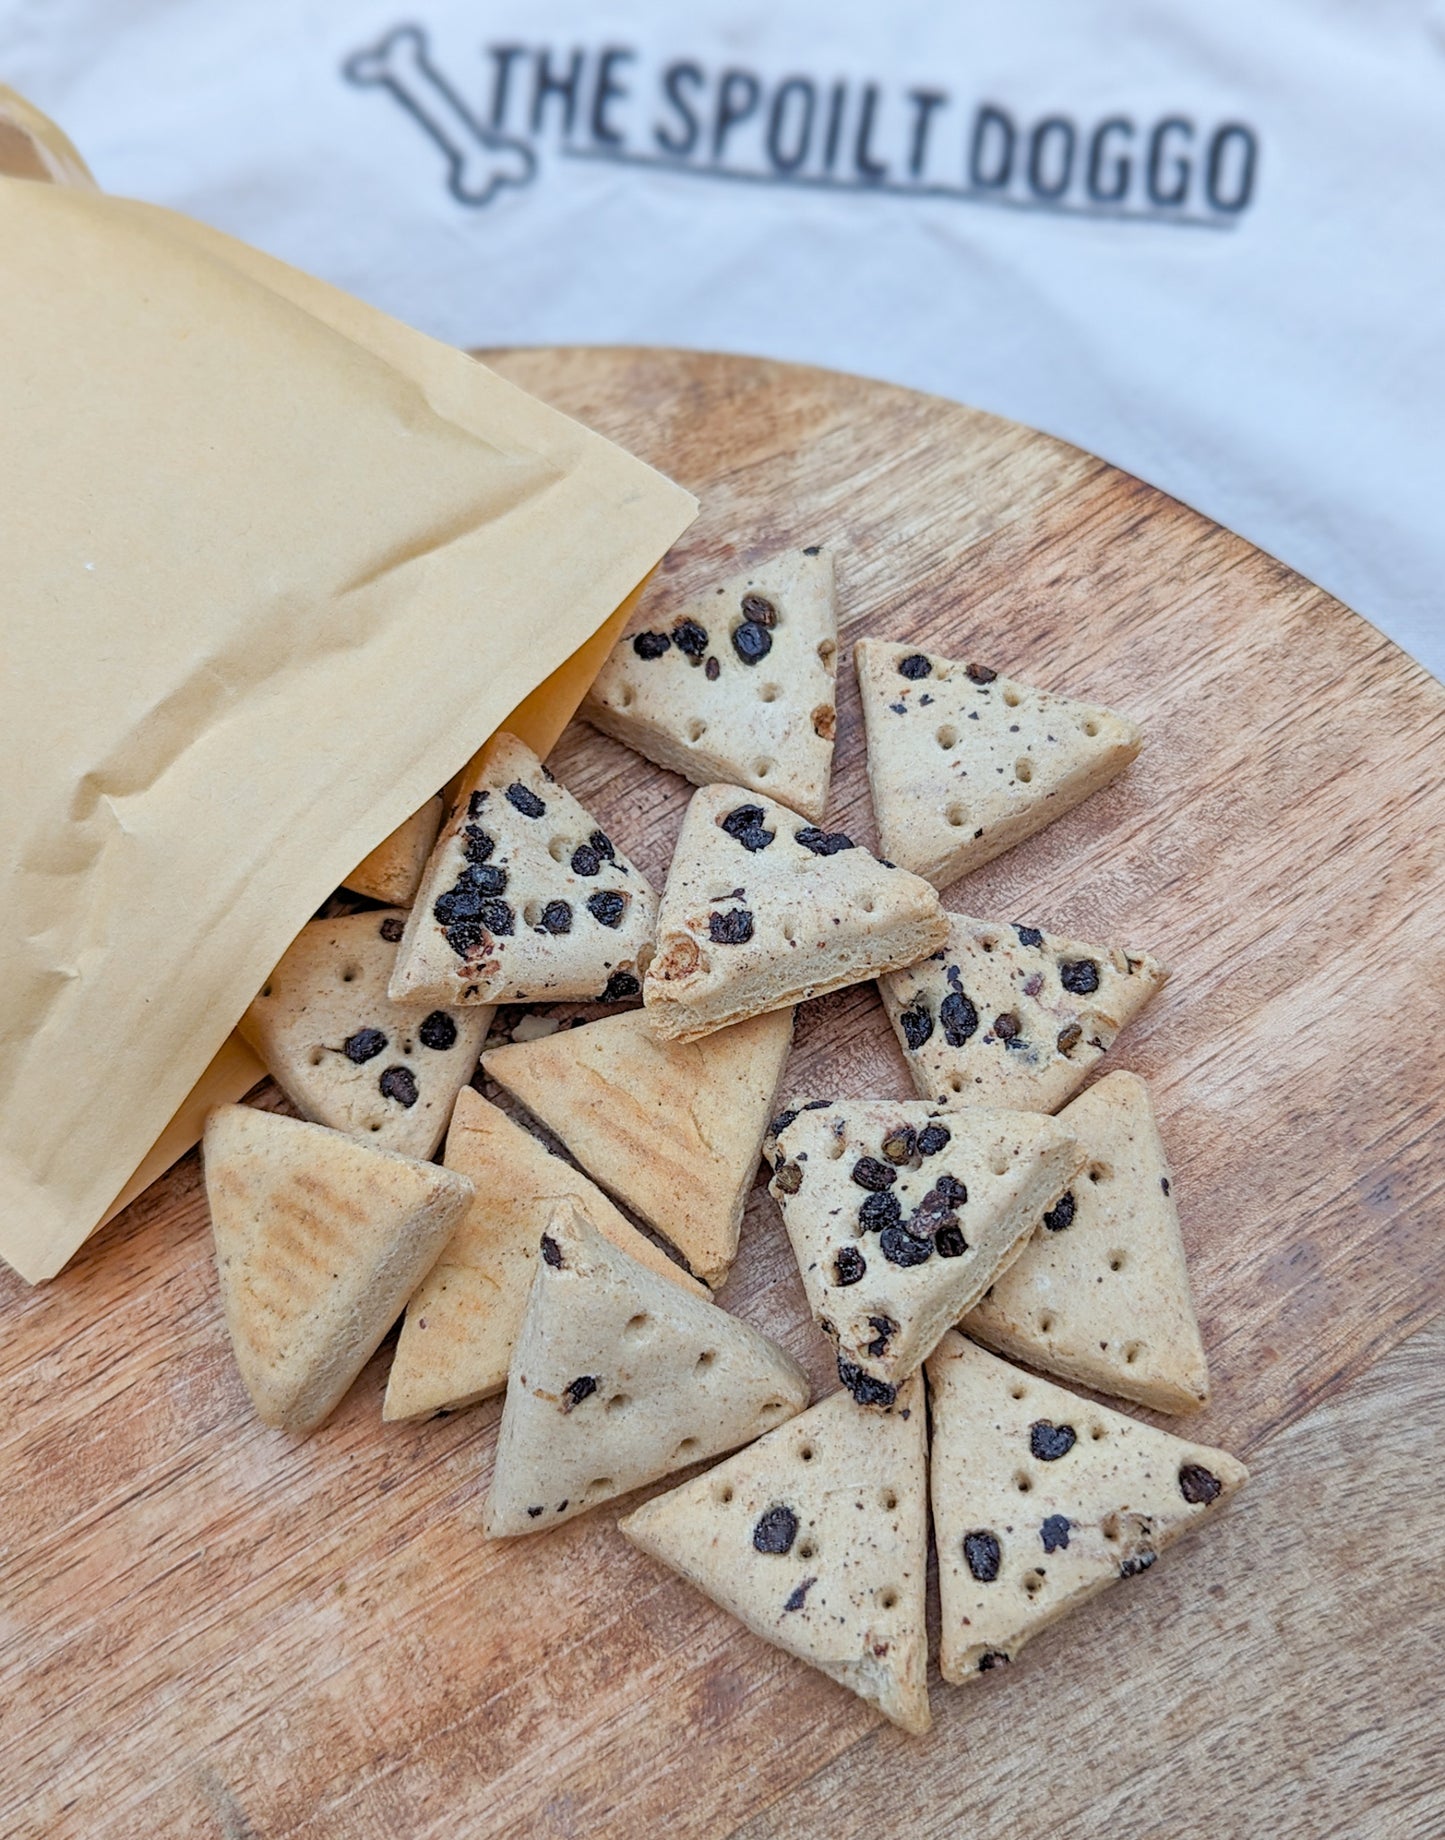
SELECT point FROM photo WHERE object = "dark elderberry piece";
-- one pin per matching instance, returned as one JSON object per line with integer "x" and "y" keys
{"x": 745, "y": 824}
{"x": 781, "y": 1123}
{"x": 690, "y": 639}
{"x": 620, "y": 985}
{"x": 933, "y": 1138}
{"x": 522, "y": 798}
{"x": 1049, "y": 1442}
{"x": 477, "y": 846}
{"x": 1198, "y": 1485}
{"x": 937, "y": 1207}
{"x": 556, "y": 918}
{"x": 798, "y": 1593}
{"x": 392, "y": 928}
{"x": 983, "y": 1555}
{"x": 712, "y": 670}
{"x": 583, "y": 1387}
{"x": 467, "y": 901}
{"x": 464, "y": 936}
{"x": 899, "y": 1247}
{"x": 459, "y": 903}
{"x": 1007, "y": 1028}
{"x": 914, "y": 666}
{"x": 651, "y": 645}
{"x": 959, "y": 1018}
{"x": 1028, "y": 935}
{"x": 363, "y": 1045}
{"x": 399, "y": 1083}
{"x": 868, "y": 1172}
{"x": 475, "y": 804}
{"x": 497, "y": 917}
{"x": 949, "y": 1241}
{"x": 731, "y": 929}
{"x": 585, "y": 860}
{"x": 775, "y": 1530}
{"x": 1054, "y": 1532}
{"x": 757, "y": 607}
{"x": 752, "y": 642}
{"x": 602, "y": 843}
{"x": 849, "y": 1266}
{"x": 995, "y": 1658}
{"x": 1079, "y": 976}
{"x": 884, "y": 1329}
{"x": 485, "y": 878}
{"x": 916, "y": 1023}
{"x": 1061, "y": 1215}
{"x": 878, "y": 1212}
{"x": 1139, "y": 1562}
{"x": 606, "y": 907}
{"x": 823, "y": 843}
{"x": 980, "y": 673}
{"x": 864, "y": 1388}
{"x": 438, "y": 1031}
{"x": 551, "y": 1251}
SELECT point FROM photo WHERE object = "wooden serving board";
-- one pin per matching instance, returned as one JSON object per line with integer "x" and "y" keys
{"x": 208, "y": 1628}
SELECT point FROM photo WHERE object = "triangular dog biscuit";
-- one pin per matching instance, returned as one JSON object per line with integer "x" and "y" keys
{"x": 673, "y": 1129}
{"x": 344, "y": 1054}
{"x": 901, "y": 1215}
{"x": 1041, "y": 1500}
{"x": 462, "y": 1321}
{"x": 738, "y": 685}
{"x": 1011, "y": 1015}
{"x": 964, "y": 764}
{"x": 393, "y": 871}
{"x": 816, "y": 1537}
{"x": 762, "y": 910}
{"x": 319, "y": 1242}
{"x": 1100, "y": 1295}
{"x": 619, "y": 1376}
{"x": 525, "y": 899}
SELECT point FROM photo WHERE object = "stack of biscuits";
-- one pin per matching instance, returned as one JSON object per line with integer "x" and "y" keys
{"x": 567, "y": 1245}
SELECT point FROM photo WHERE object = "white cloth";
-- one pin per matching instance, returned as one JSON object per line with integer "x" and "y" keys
{"x": 1234, "y": 292}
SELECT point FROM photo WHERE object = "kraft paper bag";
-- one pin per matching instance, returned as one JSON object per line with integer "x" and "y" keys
{"x": 275, "y": 567}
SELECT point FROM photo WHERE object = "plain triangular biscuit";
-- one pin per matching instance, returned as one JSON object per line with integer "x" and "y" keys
{"x": 456, "y": 1342}
{"x": 738, "y": 685}
{"x": 964, "y": 764}
{"x": 525, "y": 899}
{"x": 901, "y": 1215}
{"x": 344, "y": 1054}
{"x": 392, "y": 872}
{"x": 319, "y": 1242}
{"x": 762, "y": 911}
{"x": 1100, "y": 1294}
{"x": 673, "y": 1129}
{"x": 1012, "y": 1015}
{"x": 816, "y": 1537}
{"x": 1041, "y": 1500}
{"x": 619, "y": 1376}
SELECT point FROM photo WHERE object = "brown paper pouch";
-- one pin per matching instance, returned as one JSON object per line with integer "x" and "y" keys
{"x": 277, "y": 567}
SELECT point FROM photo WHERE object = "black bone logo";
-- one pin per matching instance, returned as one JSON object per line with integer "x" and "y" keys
{"x": 479, "y": 160}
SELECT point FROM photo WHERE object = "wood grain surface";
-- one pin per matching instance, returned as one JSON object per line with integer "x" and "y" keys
{"x": 208, "y": 1628}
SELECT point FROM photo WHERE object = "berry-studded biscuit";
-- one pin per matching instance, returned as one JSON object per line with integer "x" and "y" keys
{"x": 738, "y": 685}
